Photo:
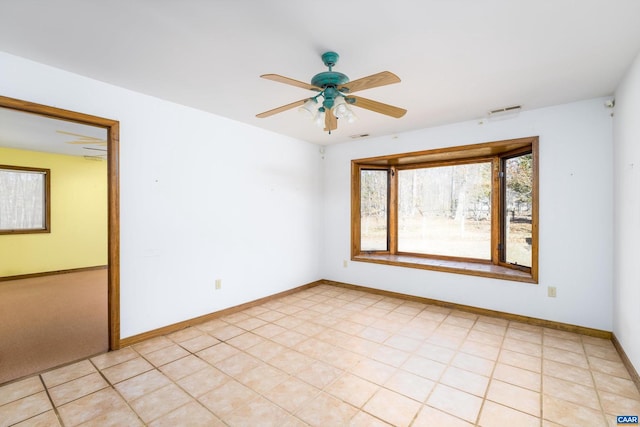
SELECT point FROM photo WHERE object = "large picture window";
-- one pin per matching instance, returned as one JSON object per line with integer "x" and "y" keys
{"x": 24, "y": 200}
{"x": 470, "y": 209}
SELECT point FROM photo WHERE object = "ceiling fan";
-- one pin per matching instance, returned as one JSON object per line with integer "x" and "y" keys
{"x": 335, "y": 91}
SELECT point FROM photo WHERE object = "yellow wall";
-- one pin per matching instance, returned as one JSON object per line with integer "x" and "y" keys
{"x": 78, "y": 235}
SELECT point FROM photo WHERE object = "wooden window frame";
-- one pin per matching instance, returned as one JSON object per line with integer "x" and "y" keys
{"x": 46, "y": 173}
{"x": 495, "y": 152}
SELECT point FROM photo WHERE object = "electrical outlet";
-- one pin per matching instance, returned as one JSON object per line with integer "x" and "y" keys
{"x": 218, "y": 284}
{"x": 344, "y": 263}
{"x": 551, "y": 291}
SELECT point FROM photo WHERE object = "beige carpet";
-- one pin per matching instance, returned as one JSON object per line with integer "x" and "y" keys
{"x": 51, "y": 320}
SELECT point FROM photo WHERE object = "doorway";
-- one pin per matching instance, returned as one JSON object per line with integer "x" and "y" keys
{"x": 112, "y": 157}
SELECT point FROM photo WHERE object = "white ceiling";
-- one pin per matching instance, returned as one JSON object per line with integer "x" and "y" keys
{"x": 457, "y": 59}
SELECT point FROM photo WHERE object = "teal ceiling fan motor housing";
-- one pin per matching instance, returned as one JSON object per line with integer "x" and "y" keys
{"x": 329, "y": 78}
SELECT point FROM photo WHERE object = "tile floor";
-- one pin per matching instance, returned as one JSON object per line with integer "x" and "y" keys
{"x": 329, "y": 356}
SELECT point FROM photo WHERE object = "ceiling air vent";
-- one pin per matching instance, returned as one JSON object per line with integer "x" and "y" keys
{"x": 362, "y": 135}
{"x": 506, "y": 111}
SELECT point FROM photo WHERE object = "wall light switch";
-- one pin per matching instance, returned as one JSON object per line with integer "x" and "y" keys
{"x": 551, "y": 291}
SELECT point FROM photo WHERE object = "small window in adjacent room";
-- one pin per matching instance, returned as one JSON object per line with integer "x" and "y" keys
{"x": 470, "y": 209}
{"x": 24, "y": 200}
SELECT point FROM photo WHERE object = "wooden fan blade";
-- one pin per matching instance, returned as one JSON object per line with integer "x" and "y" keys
{"x": 330, "y": 121}
{"x": 281, "y": 109}
{"x": 378, "y": 107}
{"x": 381, "y": 79}
{"x": 292, "y": 82}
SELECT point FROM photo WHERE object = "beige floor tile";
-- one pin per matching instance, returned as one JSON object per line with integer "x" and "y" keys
{"x": 227, "y": 398}
{"x": 266, "y": 350}
{"x": 289, "y": 338}
{"x": 77, "y": 388}
{"x": 486, "y": 351}
{"x": 151, "y": 345}
{"x": 185, "y": 334}
{"x": 465, "y": 380}
{"x": 182, "y": 367}
{"x": 394, "y": 408}
{"x": 495, "y": 415}
{"x": 525, "y": 347}
{"x": 46, "y": 419}
{"x": 615, "y": 368}
{"x": 517, "y": 376}
{"x": 119, "y": 417}
{"x": 569, "y": 414}
{"x": 203, "y": 381}
{"x": 566, "y": 357}
{"x": 292, "y": 393}
{"x": 426, "y": 368}
{"x": 245, "y": 341}
{"x": 20, "y": 389}
{"x": 455, "y": 402}
{"x": 616, "y": 385}
{"x": 567, "y": 372}
{"x": 217, "y": 353}
{"x": 363, "y": 419}
{"x": 198, "y": 343}
{"x": 410, "y": 385}
{"x": 520, "y": 360}
{"x": 262, "y": 378}
{"x": 390, "y": 355}
{"x": 24, "y": 408}
{"x": 431, "y": 417}
{"x": 138, "y": 386}
{"x": 251, "y": 323}
{"x": 373, "y": 371}
{"x": 331, "y": 356}
{"x": 486, "y": 325}
{"x": 436, "y": 352}
{"x": 291, "y": 361}
{"x": 403, "y": 343}
{"x": 236, "y": 365}
{"x": 487, "y": 338}
{"x": 226, "y": 332}
{"x": 325, "y": 410}
{"x": 119, "y": 356}
{"x": 619, "y": 405}
{"x": 475, "y": 364}
{"x": 160, "y": 402}
{"x": 192, "y": 414}
{"x": 269, "y": 330}
{"x": 258, "y": 412}
{"x": 318, "y": 374}
{"x": 352, "y": 389}
{"x": 564, "y": 344}
{"x": 514, "y": 397}
{"x": 68, "y": 373}
{"x": 571, "y": 392}
{"x": 103, "y": 403}
{"x": 126, "y": 370}
{"x": 166, "y": 355}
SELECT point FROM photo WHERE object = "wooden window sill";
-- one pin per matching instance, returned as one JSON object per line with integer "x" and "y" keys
{"x": 458, "y": 267}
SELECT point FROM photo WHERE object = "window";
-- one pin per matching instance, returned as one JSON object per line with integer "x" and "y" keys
{"x": 24, "y": 200}
{"x": 470, "y": 209}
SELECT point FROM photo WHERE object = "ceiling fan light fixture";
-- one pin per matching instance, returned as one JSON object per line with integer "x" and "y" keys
{"x": 319, "y": 118}
{"x": 309, "y": 108}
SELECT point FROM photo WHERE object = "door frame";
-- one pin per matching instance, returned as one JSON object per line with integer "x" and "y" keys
{"x": 113, "y": 190}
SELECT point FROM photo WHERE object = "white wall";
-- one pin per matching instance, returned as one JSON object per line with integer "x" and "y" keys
{"x": 576, "y": 212}
{"x": 201, "y": 198}
{"x": 626, "y": 294}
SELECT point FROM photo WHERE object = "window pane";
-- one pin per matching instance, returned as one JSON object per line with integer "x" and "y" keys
{"x": 446, "y": 210}
{"x": 22, "y": 204}
{"x": 374, "y": 186}
{"x": 518, "y": 229}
